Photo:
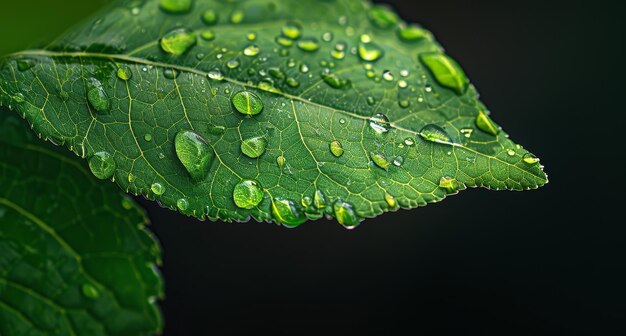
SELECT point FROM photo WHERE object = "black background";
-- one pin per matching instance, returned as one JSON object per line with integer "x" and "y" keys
{"x": 516, "y": 263}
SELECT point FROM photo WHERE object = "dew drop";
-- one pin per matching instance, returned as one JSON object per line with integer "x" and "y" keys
{"x": 292, "y": 82}
{"x": 379, "y": 123}
{"x": 194, "y": 153}
{"x": 247, "y": 103}
{"x": 308, "y": 44}
{"x": 210, "y": 17}
{"x": 413, "y": 33}
{"x": 207, "y": 35}
{"x": 345, "y": 215}
{"x": 102, "y": 165}
{"x": 237, "y": 16}
{"x": 286, "y": 213}
{"x": 252, "y": 50}
{"x": 176, "y": 6}
{"x": 276, "y": 73}
{"x": 304, "y": 68}
{"x": 380, "y": 160}
{"x": 449, "y": 184}
{"x": 446, "y": 71}
{"x": 232, "y": 63}
{"x": 370, "y": 100}
{"x": 97, "y": 96}
{"x": 327, "y": 37}
{"x": 409, "y": 142}
{"x": 398, "y": 161}
{"x": 342, "y": 121}
{"x": 370, "y": 52}
{"x": 216, "y": 74}
{"x": 283, "y": 41}
{"x": 182, "y": 204}
{"x": 157, "y": 188}
{"x": 124, "y": 73}
{"x": 90, "y": 291}
{"x": 387, "y": 75}
{"x": 254, "y": 147}
{"x": 510, "y": 152}
{"x": 335, "y": 82}
{"x": 434, "y": 133}
{"x": 247, "y": 194}
{"x": 292, "y": 30}
{"x": 148, "y": 137}
{"x": 281, "y": 160}
{"x": 178, "y": 41}
{"x": 404, "y": 103}
{"x": 170, "y": 73}
{"x": 382, "y": 17}
{"x": 391, "y": 201}
{"x": 485, "y": 124}
{"x": 402, "y": 84}
{"x": 24, "y": 64}
{"x": 251, "y": 36}
{"x": 336, "y": 148}
{"x": 530, "y": 158}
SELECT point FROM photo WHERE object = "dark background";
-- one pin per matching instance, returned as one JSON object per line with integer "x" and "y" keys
{"x": 517, "y": 263}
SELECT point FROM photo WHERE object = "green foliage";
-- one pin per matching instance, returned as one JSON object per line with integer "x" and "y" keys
{"x": 75, "y": 258}
{"x": 348, "y": 113}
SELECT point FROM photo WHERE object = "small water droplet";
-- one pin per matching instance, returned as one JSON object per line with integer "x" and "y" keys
{"x": 97, "y": 96}
{"x": 147, "y": 137}
{"x": 308, "y": 44}
{"x": 283, "y": 41}
{"x": 391, "y": 201}
{"x": 335, "y": 82}
{"x": 485, "y": 124}
{"x": 413, "y": 33}
{"x": 446, "y": 71}
{"x": 336, "y": 148}
{"x": 281, "y": 160}
{"x": 304, "y": 68}
{"x": 124, "y": 73}
{"x": 131, "y": 177}
{"x": 434, "y": 133}
{"x": 127, "y": 203}
{"x": 232, "y": 63}
{"x": 398, "y": 161}
{"x": 292, "y": 82}
{"x": 276, "y": 73}
{"x": 286, "y": 213}
{"x": 216, "y": 74}
{"x": 467, "y": 132}
{"x": 182, "y": 204}
{"x": 237, "y": 16}
{"x": 370, "y": 100}
{"x": 207, "y": 35}
{"x": 402, "y": 84}
{"x": 382, "y": 17}
{"x": 157, "y": 188}
{"x": 380, "y": 160}
{"x": 247, "y": 103}
{"x": 170, "y": 73}
{"x": 307, "y": 201}
{"x": 510, "y": 152}
{"x": 379, "y": 123}
{"x": 327, "y": 37}
{"x": 194, "y": 153}
{"x": 252, "y": 50}
{"x": 387, "y": 75}
{"x": 176, "y": 6}
{"x": 370, "y": 52}
{"x": 254, "y": 147}
{"x": 102, "y": 165}
{"x": 530, "y": 158}
{"x": 409, "y": 142}
{"x": 90, "y": 291}
{"x": 449, "y": 184}
{"x": 251, "y": 36}
{"x": 404, "y": 103}
{"x": 247, "y": 194}
{"x": 210, "y": 17}
{"x": 404, "y": 73}
{"x": 345, "y": 214}
{"x": 178, "y": 41}
{"x": 292, "y": 30}
{"x": 342, "y": 121}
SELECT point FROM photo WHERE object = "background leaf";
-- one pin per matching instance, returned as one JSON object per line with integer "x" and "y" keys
{"x": 75, "y": 258}
{"x": 276, "y": 94}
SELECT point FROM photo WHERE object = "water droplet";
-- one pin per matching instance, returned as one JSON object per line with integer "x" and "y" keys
{"x": 170, "y": 73}
{"x": 434, "y": 133}
{"x": 446, "y": 71}
{"x": 210, "y": 17}
{"x": 124, "y": 73}
{"x": 216, "y": 74}
{"x": 345, "y": 215}
{"x": 335, "y": 82}
{"x": 449, "y": 184}
{"x": 336, "y": 148}
{"x": 102, "y": 165}
{"x": 161, "y": 156}
{"x": 178, "y": 41}
{"x": 176, "y": 6}
{"x": 90, "y": 291}
{"x": 251, "y": 36}
{"x": 413, "y": 33}
{"x": 283, "y": 41}
{"x": 387, "y": 75}
{"x": 207, "y": 35}
{"x": 281, "y": 160}
{"x": 247, "y": 194}
{"x": 398, "y": 161}
{"x": 97, "y": 96}
{"x": 409, "y": 142}
{"x": 306, "y": 201}
{"x": 510, "y": 152}
{"x": 127, "y": 203}
{"x": 402, "y": 84}
{"x": 338, "y": 54}
{"x": 292, "y": 82}
{"x": 254, "y": 147}
{"x": 247, "y": 102}
{"x": 157, "y": 188}
{"x": 182, "y": 204}
{"x": 252, "y": 50}
{"x": 380, "y": 160}
{"x": 308, "y": 44}
{"x": 292, "y": 30}
{"x": 379, "y": 123}
{"x": 131, "y": 177}
{"x": 304, "y": 68}
{"x": 404, "y": 103}
{"x": 370, "y": 100}
{"x": 485, "y": 124}
{"x": 148, "y": 137}
{"x": 530, "y": 158}
{"x": 276, "y": 73}
{"x": 370, "y": 52}
{"x": 194, "y": 153}
{"x": 467, "y": 132}
{"x": 285, "y": 213}
{"x": 391, "y": 201}
{"x": 404, "y": 73}
{"x": 342, "y": 121}
{"x": 237, "y": 16}
{"x": 24, "y": 64}
{"x": 382, "y": 17}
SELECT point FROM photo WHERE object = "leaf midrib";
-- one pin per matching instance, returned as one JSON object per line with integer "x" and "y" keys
{"x": 143, "y": 61}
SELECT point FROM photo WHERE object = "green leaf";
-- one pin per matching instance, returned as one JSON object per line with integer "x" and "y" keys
{"x": 275, "y": 92}
{"x": 75, "y": 258}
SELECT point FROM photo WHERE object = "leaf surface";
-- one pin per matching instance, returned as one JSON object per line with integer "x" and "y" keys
{"x": 75, "y": 258}
{"x": 299, "y": 109}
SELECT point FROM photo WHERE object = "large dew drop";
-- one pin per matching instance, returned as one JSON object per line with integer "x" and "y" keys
{"x": 434, "y": 133}
{"x": 247, "y": 194}
{"x": 157, "y": 188}
{"x": 446, "y": 71}
{"x": 380, "y": 160}
{"x": 370, "y": 52}
{"x": 379, "y": 123}
{"x": 254, "y": 147}
{"x": 247, "y": 103}
{"x": 124, "y": 73}
{"x": 345, "y": 215}
{"x": 194, "y": 153}
{"x": 285, "y": 213}
{"x": 336, "y": 148}
{"x": 176, "y": 6}
{"x": 97, "y": 96}
{"x": 178, "y": 41}
{"x": 485, "y": 124}
{"x": 102, "y": 165}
